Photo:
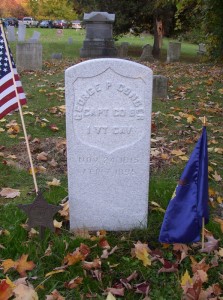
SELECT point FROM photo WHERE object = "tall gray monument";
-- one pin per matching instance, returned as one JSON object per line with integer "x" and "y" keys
{"x": 99, "y": 40}
{"x": 108, "y": 125}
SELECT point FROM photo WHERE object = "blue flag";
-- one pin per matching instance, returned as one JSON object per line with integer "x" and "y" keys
{"x": 183, "y": 218}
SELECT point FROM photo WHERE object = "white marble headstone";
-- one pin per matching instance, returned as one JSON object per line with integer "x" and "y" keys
{"x": 21, "y": 32}
{"x": 108, "y": 123}
{"x": 11, "y": 33}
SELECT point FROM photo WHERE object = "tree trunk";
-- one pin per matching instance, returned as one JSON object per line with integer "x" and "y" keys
{"x": 156, "y": 43}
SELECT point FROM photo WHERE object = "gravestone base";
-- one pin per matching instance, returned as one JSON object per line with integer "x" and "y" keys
{"x": 103, "y": 48}
{"x": 29, "y": 56}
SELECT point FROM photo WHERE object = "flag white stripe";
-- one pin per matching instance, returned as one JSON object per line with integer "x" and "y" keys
{"x": 8, "y": 104}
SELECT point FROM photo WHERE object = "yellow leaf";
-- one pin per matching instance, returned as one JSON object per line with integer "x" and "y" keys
{"x": 186, "y": 279}
{"x": 220, "y": 252}
{"x": 54, "y": 272}
{"x": 110, "y": 296}
{"x": 190, "y": 118}
{"x": 54, "y": 182}
{"x": 218, "y": 150}
{"x": 2, "y": 129}
{"x": 184, "y": 158}
{"x": 211, "y": 192}
{"x": 219, "y": 199}
{"x": 8, "y": 264}
{"x": 142, "y": 253}
{"x": 57, "y": 224}
{"x": 220, "y": 91}
{"x": 177, "y": 152}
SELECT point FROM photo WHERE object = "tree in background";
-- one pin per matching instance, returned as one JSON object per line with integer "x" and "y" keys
{"x": 12, "y": 8}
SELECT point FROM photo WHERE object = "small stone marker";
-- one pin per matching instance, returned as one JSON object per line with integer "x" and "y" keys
{"x": 147, "y": 53}
{"x": 201, "y": 49}
{"x": 160, "y": 85}
{"x": 35, "y": 37}
{"x": 123, "y": 50}
{"x": 40, "y": 213}
{"x": 70, "y": 40}
{"x": 59, "y": 32}
{"x": 11, "y": 34}
{"x": 173, "y": 52}
{"x": 108, "y": 125}
{"x": 29, "y": 56}
{"x": 56, "y": 56}
{"x": 21, "y": 32}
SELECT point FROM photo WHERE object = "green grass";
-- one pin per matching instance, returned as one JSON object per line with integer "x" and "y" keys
{"x": 194, "y": 89}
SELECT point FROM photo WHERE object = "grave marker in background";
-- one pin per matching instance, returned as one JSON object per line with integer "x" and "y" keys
{"x": 99, "y": 40}
{"x": 21, "y": 32}
{"x": 173, "y": 52}
{"x": 11, "y": 34}
{"x": 108, "y": 125}
{"x": 29, "y": 56}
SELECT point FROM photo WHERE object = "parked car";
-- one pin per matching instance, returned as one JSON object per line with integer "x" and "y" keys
{"x": 76, "y": 24}
{"x": 30, "y": 22}
{"x": 46, "y": 24}
{"x": 11, "y": 22}
{"x": 61, "y": 24}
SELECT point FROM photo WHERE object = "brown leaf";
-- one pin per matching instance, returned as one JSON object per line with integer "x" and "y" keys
{"x": 116, "y": 291}
{"x": 142, "y": 288}
{"x": 210, "y": 245}
{"x": 74, "y": 283}
{"x": 103, "y": 243}
{"x": 199, "y": 265}
{"x": 9, "y": 193}
{"x": 25, "y": 292}
{"x": 23, "y": 265}
{"x": 43, "y": 156}
{"x": 95, "y": 264}
{"x": 55, "y": 295}
{"x": 73, "y": 258}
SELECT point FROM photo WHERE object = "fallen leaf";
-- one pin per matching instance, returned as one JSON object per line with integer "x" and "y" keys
{"x": 95, "y": 264}
{"x": 25, "y": 292}
{"x": 54, "y": 182}
{"x": 5, "y": 290}
{"x": 74, "y": 283}
{"x": 142, "y": 288}
{"x": 9, "y": 193}
{"x": 23, "y": 265}
{"x": 110, "y": 296}
{"x": 142, "y": 253}
{"x": 8, "y": 264}
{"x": 55, "y": 295}
{"x": 57, "y": 224}
{"x": 210, "y": 245}
{"x": 116, "y": 291}
{"x": 186, "y": 279}
{"x": 217, "y": 177}
{"x": 54, "y": 272}
{"x": 73, "y": 258}
{"x": 43, "y": 156}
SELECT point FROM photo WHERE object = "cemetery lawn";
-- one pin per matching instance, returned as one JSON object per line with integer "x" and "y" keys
{"x": 119, "y": 263}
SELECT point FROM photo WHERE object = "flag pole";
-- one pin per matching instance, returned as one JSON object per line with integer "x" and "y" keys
{"x": 20, "y": 110}
{"x": 203, "y": 221}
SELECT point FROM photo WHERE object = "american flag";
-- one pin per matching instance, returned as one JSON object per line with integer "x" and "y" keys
{"x": 8, "y": 98}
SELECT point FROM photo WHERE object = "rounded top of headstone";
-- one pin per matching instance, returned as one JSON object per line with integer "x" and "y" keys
{"x": 98, "y": 16}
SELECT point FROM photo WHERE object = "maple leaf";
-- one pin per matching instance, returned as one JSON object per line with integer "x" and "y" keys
{"x": 183, "y": 249}
{"x": 73, "y": 258}
{"x": 141, "y": 251}
{"x": 217, "y": 177}
{"x": 185, "y": 279}
{"x": 199, "y": 265}
{"x": 5, "y": 289}
{"x": 168, "y": 267}
{"x": 74, "y": 283}
{"x": 210, "y": 245}
{"x": 23, "y": 265}
{"x": 9, "y": 193}
{"x": 8, "y": 264}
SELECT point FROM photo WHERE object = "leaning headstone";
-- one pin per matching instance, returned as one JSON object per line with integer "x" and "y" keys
{"x": 21, "y": 32}
{"x": 56, "y": 56}
{"x": 123, "y": 50}
{"x": 173, "y": 52}
{"x": 11, "y": 34}
{"x": 98, "y": 41}
{"x": 29, "y": 56}
{"x": 108, "y": 126}
{"x": 35, "y": 37}
{"x": 147, "y": 53}
{"x": 160, "y": 86}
